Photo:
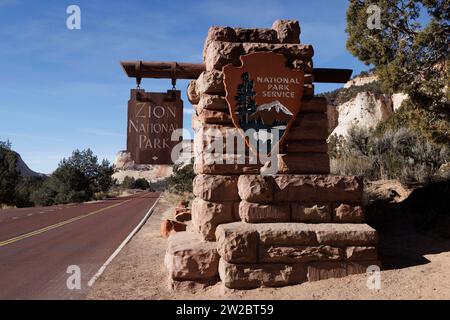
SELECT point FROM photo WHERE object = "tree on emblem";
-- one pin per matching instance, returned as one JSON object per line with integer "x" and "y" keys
{"x": 245, "y": 101}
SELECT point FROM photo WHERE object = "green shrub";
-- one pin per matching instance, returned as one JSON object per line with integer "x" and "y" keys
{"x": 142, "y": 184}
{"x": 9, "y": 175}
{"x": 181, "y": 180}
{"x": 395, "y": 154}
{"x": 128, "y": 183}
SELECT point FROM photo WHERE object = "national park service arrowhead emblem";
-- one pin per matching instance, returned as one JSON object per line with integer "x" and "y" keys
{"x": 264, "y": 97}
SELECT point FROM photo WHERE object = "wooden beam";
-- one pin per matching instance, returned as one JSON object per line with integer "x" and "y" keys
{"x": 182, "y": 70}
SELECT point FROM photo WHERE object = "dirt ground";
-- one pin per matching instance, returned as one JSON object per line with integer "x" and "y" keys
{"x": 415, "y": 267}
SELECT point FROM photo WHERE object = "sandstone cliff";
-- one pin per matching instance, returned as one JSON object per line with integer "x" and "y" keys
{"x": 361, "y": 102}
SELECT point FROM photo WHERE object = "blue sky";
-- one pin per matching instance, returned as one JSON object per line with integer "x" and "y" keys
{"x": 64, "y": 89}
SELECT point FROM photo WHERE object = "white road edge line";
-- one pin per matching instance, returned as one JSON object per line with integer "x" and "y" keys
{"x": 123, "y": 244}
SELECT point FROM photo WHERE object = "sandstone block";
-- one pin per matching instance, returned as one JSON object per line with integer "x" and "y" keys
{"x": 296, "y": 254}
{"x": 192, "y": 93}
{"x": 358, "y": 267}
{"x": 326, "y": 270}
{"x": 259, "y": 213}
{"x": 216, "y": 33}
{"x": 255, "y": 188}
{"x": 206, "y": 216}
{"x": 348, "y": 214}
{"x": 303, "y": 163}
{"x": 306, "y": 146}
{"x": 288, "y": 31}
{"x": 168, "y": 227}
{"x": 361, "y": 253}
{"x": 292, "y": 52}
{"x": 286, "y": 234}
{"x": 223, "y": 139}
{"x": 213, "y": 102}
{"x": 318, "y": 213}
{"x": 237, "y": 164}
{"x": 314, "y": 105}
{"x": 210, "y": 82}
{"x": 188, "y": 258}
{"x": 317, "y": 188}
{"x": 248, "y": 276}
{"x": 256, "y": 35}
{"x": 213, "y": 116}
{"x": 237, "y": 243}
{"x": 219, "y": 54}
{"x": 345, "y": 234}
{"x": 216, "y": 188}
{"x": 309, "y": 126}
{"x": 304, "y": 64}
{"x": 308, "y": 90}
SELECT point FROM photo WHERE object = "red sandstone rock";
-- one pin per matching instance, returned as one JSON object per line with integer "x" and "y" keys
{"x": 296, "y": 254}
{"x": 345, "y": 234}
{"x": 348, "y": 214}
{"x": 216, "y": 188}
{"x": 170, "y": 226}
{"x": 304, "y": 64}
{"x": 288, "y": 31}
{"x": 306, "y": 146}
{"x": 215, "y": 33}
{"x": 248, "y": 276}
{"x": 237, "y": 242}
{"x": 292, "y": 52}
{"x": 326, "y": 270}
{"x": 311, "y": 213}
{"x": 317, "y": 188}
{"x": 213, "y": 102}
{"x": 210, "y": 82}
{"x": 314, "y": 105}
{"x": 255, "y": 188}
{"x": 218, "y": 54}
{"x": 214, "y": 116}
{"x": 286, "y": 234}
{"x": 256, "y": 35}
{"x": 206, "y": 216}
{"x": 303, "y": 163}
{"x": 309, "y": 126}
{"x": 188, "y": 258}
{"x": 192, "y": 93}
{"x": 263, "y": 213}
{"x": 361, "y": 253}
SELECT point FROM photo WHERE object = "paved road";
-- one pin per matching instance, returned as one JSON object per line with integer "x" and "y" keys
{"x": 37, "y": 245}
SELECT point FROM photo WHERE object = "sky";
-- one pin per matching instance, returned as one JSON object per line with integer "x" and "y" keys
{"x": 62, "y": 89}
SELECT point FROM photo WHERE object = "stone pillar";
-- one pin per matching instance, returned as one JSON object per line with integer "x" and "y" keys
{"x": 254, "y": 230}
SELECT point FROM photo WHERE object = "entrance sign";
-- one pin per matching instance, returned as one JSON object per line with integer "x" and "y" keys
{"x": 263, "y": 95}
{"x": 152, "y": 117}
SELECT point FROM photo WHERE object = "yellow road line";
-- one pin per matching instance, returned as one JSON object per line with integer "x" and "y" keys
{"x": 57, "y": 225}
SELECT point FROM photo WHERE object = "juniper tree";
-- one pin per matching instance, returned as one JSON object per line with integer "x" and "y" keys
{"x": 409, "y": 50}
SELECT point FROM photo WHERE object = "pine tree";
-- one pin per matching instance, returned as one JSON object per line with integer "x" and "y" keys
{"x": 245, "y": 102}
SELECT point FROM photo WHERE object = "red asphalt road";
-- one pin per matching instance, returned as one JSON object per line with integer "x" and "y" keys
{"x": 35, "y": 267}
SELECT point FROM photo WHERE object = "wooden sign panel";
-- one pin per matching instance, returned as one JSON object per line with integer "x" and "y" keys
{"x": 152, "y": 117}
{"x": 263, "y": 94}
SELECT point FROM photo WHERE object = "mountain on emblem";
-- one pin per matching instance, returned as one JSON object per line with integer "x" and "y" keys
{"x": 272, "y": 113}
